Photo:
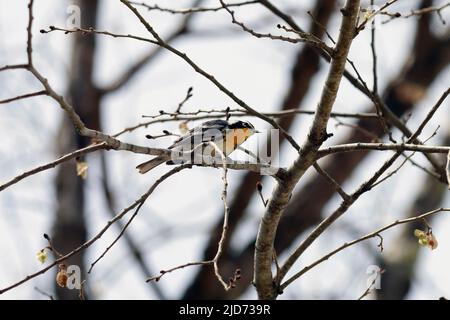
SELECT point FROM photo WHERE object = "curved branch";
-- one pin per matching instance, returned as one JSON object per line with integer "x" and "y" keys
{"x": 351, "y": 243}
{"x": 53, "y": 164}
{"x": 138, "y": 203}
{"x": 208, "y": 76}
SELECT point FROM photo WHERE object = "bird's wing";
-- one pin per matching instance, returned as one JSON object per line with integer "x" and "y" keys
{"x": 208, "y": 131}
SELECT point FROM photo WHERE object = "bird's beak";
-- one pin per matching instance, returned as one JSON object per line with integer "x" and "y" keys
{"x": 256, "y": 131}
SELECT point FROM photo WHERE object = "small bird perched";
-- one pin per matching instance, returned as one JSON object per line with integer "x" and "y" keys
{"x": 226, "y": 136}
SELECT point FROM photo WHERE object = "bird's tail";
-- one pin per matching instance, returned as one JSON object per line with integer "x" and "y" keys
{"x": 149, "y": 165}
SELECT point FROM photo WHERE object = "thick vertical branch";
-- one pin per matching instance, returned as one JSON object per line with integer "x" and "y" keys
{"x": 265, "y": 239}
{"x": 306, "y": 66}
{"x": 401, "y": 95}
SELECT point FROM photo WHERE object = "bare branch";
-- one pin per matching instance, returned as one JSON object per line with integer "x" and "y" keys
{"x": 136, "y": 252}
{"x": 91, "y": 30}
{"x": 317, "y": 134}
{"x": 225, "y": 285}
{"x": 372, "y": 15}
{"x": 214, "y": 114}
{"x": 374, "y": 56}
{"x": 124, "y": 78}
{"x": 215, "y": 260}
{"x": 88, "y": 243}
{"x": 191, "y": 10}
{"x": 380, "y": 146}
{"x": 418, "y": 12}
{"x": 153, "y": 187}
{"x": 304, "y": 37}
{"x": 335, "y": 185}
{"x": 373, "y": 234}
{"x": 44, "y": 293}
{"x": 189, "y": 264}
{"x": 208, "y": 76}
{"x": 54, "y": 163}
{"x": 379, "y": 104}
{"x": 13, "y": 66}
{"x": 345, "y": 205}
{"x": 24, "y": 96}
{"x": 308, "y": 38}
{"x": 30, "y": 34}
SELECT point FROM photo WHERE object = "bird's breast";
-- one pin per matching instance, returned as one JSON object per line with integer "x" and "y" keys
{"x": 234, "y": 138}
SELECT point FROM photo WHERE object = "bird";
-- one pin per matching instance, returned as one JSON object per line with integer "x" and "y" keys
{"x": 226, "y": 136}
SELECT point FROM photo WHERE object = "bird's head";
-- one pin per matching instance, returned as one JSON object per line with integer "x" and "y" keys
{"x": 245, "y": 126}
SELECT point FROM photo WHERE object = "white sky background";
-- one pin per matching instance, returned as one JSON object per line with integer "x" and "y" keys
{"x": 169, "y": 231}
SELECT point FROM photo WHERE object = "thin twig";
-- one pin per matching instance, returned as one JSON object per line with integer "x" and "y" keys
{"x": 186, "y": 98}
{"x": 264, "y": 281}
{"x": 208, "y": 76}
{"x": 14, "y": 66}
{"x": 138, "y": 208}
{"x": 191, "y": 10}
{"x": 259, "y": 188}
{"x": 304, "y": 37}
{"x": 372, "y": 15}
{"x": 88, "y": 243}
{"x": 54, "y": 163}
{"x": 390, "y": 116}
{"x": 317, "y": 22}
{"x": 215, "y": 260}
{"x": 418, "y": 12}
{"x": 346, "y": 204}
{"x": 363, "y": 238}
{"x": 24, "y": 96}
{"x": 373, "y": 137}
{"x": 276, "y": 114}
{"x": 374, "y": 56}
{"x": 30, "y": 34}
{"x": 91, "y": 30}
{"x": 189, "y": 264}
{"x": 133, "y": 69}
{"x": 359, "y": 146}
{"x": 391, "y": 173}
{"x": 310, "y": 39}
{"x": 136, "y": 252}
{"x": 223, "y": 236}
{"x": 214, "y": 114}
{"x": 331, "y": 181}
{"x": 48, "y": 295}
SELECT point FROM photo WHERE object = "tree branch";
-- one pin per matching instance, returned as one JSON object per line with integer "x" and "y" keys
{"x": 125, "y": 78}
{"x": 380, "y": 146}
{"x": 24, "y": 96}
{"x": 138, "y": 203}
{"x": 317, "y": 134}
{"x": 351, "y": 243}
{"x": 347, "y": 203}
{"x": 194, "y": 9}
{"x": 208, "y": 76}
{"x": 75, "y": 154}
